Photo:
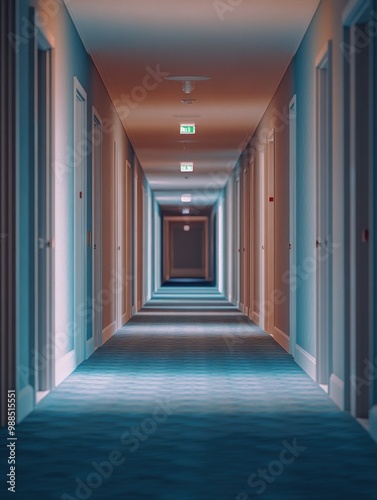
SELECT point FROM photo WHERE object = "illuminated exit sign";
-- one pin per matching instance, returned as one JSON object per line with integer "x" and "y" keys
{"x": 187, "y": 128}
{"x": 187, "y": 167}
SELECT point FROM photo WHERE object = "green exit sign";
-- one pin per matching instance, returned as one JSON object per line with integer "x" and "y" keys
{"x": 187, "y": 128}
{"x": 187, "y": 167}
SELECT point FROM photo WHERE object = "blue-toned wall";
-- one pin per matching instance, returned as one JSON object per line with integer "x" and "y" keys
{"x": 70, "y": 59}
{"x": 300, "y": 79}
{"x": 326, "y": 26}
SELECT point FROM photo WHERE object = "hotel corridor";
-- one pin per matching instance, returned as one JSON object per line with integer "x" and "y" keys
{"x": 199, "y": 404}
{"x": 188, "y": 249}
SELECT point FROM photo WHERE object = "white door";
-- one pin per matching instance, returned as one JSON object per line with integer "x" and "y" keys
{"x": 237, "y": 229}
{"x": 118, "y": 237}
{"x": 361, "y": 194}
{"x": 97, "y": 226}
{"x": 324, "y": 212}
{"x": 269, "y": 309}
{"x": 262, "y": 239}
{"x": 292, "y": 225}
{"x": 80, "y": 307}
{"x": 44, "y": 352}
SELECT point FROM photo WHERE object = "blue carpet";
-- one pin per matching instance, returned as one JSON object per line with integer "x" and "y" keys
{"x": 191, "y": 401}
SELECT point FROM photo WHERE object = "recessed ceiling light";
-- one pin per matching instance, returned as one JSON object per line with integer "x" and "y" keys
{"x": 186, "y": 198}
{"x": 185, "y": 211}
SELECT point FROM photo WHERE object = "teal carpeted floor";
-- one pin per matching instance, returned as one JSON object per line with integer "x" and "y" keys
{"x": 191, "y": 401}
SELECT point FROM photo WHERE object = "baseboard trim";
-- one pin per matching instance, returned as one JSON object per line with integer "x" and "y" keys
{"x": 108, "y": 332}
{"x": 124, "y": 318}
{"x": 306, "y": 361}
{"x": 373, "y": 422}
{"x": 281, "y": 338}
{"x": 255, "y": 317}
{"x": 244, "y": 309}
{"x": 65, "y": 366}
{"x": 25, "y": 402}
{"x": 336, "y": 391}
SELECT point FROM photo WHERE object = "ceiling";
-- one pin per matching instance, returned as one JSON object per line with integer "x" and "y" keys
{"x": 244, "y": 49}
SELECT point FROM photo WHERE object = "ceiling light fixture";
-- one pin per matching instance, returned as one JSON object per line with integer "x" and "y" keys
{"x": 186, "y": 198}
{"x": 186, "y": 227}
{"x": 188, "y": 87}
{"x": 188, "y": 82}
{"x": 185, "y": 211}
{"x": 188, "y": 100}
